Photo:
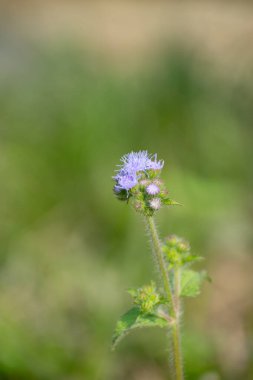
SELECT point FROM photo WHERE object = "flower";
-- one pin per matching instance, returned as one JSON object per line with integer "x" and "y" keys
{"x": 155, "y": 165}
{"x": 132, "y": 164}
{"x": 125, "y": 181}
{"x": 135, "y": 161}
{"x": 152, "y": 189}
{"x": 140, "y": 161}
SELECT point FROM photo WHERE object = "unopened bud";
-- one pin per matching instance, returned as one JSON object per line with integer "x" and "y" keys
{"x": 152, "y": 189}
{"x": 155, "y": 203}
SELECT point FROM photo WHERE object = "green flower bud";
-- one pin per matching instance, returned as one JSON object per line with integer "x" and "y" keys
{"x": 146, "y": 298}
{"x": 176, "y": 250}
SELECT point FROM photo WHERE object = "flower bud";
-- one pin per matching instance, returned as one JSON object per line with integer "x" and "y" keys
{"x": 176, "y": 250}
{"x": 146, "y": 298}
{"x": 152, "y": 189}
{"x": 155, "y": 203}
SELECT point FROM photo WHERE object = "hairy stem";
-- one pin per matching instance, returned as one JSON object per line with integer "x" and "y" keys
{"x": 177, "y": 275}
{"x": 176, "y": 352}
{"x": 161, "y": 263}
{"x": 173, "y": 299}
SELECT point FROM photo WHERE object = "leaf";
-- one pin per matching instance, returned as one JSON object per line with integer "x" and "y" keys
{"x": 132, "y": 292}
{"x": 191, "y": 282}
{"x": 133, "y": 319}
{"x": 170, "y": 202}
{"x": 191, "y": 259}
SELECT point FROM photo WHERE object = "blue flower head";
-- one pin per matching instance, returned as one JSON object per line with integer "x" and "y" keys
{"x": 133, "y": 164}
{"x": 137, "y": 180}
{"x": 125, "y": 181}
{"x": 140, "y": 161}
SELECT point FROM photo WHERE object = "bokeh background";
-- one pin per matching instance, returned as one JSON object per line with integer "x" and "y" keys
{"x": 81, "y": 84}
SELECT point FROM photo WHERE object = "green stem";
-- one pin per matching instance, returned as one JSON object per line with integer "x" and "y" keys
{"x": 173, "y": 299}
{"x": 161, "y": 263}
{"x": 177, "y": 355}
{"x": 177, "y": 276}
{"x": 176, "y": 352}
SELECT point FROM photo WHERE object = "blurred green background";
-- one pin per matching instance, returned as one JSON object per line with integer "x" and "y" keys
{"x": 81, "y": 84}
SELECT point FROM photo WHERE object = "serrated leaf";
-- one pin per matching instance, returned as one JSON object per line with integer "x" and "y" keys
{"x": 170, "y": 202}
{"x": 191, "y": 282}
{"x": 134, "y": 319}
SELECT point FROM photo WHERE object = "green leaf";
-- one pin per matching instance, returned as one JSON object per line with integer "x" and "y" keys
{"x": 133, "y": 319}
{"x": 132, "y": 292}
{"x": 191, "y": 282}
{"x": 191, "y": 259}
{"x": 170, "y": 202}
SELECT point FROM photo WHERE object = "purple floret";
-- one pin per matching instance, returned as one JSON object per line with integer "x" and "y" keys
{"x": 126, "y": 181}
{"x": 154, "y": 165}
{"x": 135, "y": 161}
{"x": 140, "y": 161}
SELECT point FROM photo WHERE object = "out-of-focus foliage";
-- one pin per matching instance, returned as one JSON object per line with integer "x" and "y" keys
{"x": 68, "y": 249}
